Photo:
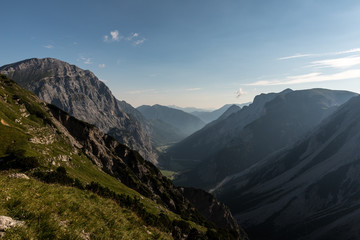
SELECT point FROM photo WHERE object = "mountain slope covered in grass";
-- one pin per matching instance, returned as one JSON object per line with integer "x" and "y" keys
{"x": 71, "y": 162}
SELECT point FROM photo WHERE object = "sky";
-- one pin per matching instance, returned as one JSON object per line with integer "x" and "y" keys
{"x": 192, "y": 53}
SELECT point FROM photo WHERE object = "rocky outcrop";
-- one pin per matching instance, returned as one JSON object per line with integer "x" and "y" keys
{"x": 80, "y": 93}
{"x": 212, "y": 209}
{"x": 8, "y": 222}
{"x": 120, "y": 161}
{"x": 19, "y": 175}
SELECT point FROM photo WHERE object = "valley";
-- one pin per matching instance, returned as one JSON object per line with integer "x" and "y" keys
{"x": 285, "y": 165}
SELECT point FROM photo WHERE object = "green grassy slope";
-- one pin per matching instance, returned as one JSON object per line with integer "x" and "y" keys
{"x": 30, "y": 142}
{"x": 59, "y": 212}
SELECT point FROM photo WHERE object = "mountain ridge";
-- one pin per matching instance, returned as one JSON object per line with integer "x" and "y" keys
{"x": 83, "y": 95}
{"x": 317, "y": 175}
{"x": 178, "y": 123}
{"x": 284, "y": 120}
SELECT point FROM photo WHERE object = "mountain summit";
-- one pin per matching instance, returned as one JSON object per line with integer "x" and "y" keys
{"x": 80, "y": 93}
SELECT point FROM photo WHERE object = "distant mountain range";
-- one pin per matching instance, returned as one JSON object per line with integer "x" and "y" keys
{"x": 80, "y": 93}
{"x": 190, "y": 109}
{"x": 310, "y": 190}
{"x": 269, "y": 124}
{"x": 176, "y": 123}
{"x": 209, "y": 116}
{"x": 204, "y": 143}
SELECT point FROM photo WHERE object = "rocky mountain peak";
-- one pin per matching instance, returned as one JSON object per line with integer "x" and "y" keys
{"x": 80, "y": 93}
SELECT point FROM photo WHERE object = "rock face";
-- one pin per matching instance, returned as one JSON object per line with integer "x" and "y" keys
{"x": 212, "y": 209}
{"x": 282, "y": 121}
{"x": 308, "y": 191}
{"x": 8, "y": 222}
{"x": 80, "y": 93}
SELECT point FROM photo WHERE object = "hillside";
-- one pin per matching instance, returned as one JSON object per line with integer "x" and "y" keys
{"x": 80, "y": 93}
{"x": 73, "y": 160}
{"x": 170, "y": 122}
{"x": 209, "y": 116}
{"x": 308, "y": 191}
{"x": 204, "y": 143}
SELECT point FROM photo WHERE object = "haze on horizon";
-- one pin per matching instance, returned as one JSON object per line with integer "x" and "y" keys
{"x": 203, "y": 53}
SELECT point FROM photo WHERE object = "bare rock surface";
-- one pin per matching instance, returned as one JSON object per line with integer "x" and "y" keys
{"x": 19, "y": 175}
{"x": 80, "y": 93}
{"x": 8, "y": 222}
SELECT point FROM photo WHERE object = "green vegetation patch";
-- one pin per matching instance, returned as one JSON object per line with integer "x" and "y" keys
{"x": 67, "y": 213}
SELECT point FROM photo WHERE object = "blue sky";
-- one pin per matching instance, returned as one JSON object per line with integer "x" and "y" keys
{"x": 201, "y": 53}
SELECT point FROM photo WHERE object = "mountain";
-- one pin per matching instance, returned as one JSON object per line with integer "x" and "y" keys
{"x": 284, "y": 120}
{"x": 208, "y": 117}
{"x": 80, "y": 93}
{"x": 77, "y": 182}
{"x": 230, "y": 110}
{"x": 207, "y": 141}
{"x": 189, "y": 109}
{"x": 176, "y": 123}
{"x": 310, "y": 190}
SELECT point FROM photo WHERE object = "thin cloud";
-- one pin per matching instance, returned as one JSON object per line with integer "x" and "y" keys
{"x": 135, "y": 39}
{"x": 310, "y": 78}
{"x": 193, "y": 89}
{"x": 49, "y": 46}
{"x": 132, "y": 36}
{"x": 114, "y": 36}
{"x": 354, "y": 50}
{"x": 300, "y": 55}
{"x": 339, "y": 63}
{"x": 240, "y": 92}
{"x": 296, "y": 56}
{"x": 102, "y": 65}
{"x": 139, "y": 42}
{"x": 85, "y": 60}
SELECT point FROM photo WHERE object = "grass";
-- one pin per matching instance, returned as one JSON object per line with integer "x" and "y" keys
{"x": 169, "y": 174}
{"x": 15, "y": 135}
{"x": 58, "y": 212}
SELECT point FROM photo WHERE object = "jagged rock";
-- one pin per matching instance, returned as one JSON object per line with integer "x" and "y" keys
{"x": 85, "y": 236}
{"x": 8, "y": 222}
{"x": 18, "y": 175}
{"x": 212, "y": 209}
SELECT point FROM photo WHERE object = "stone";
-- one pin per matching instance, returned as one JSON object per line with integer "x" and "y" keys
{"x": 8, "y": 222}
{"x": 18, "y": 175}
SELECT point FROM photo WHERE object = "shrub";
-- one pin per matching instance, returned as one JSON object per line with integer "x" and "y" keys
{"x": 17, "y": 160}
